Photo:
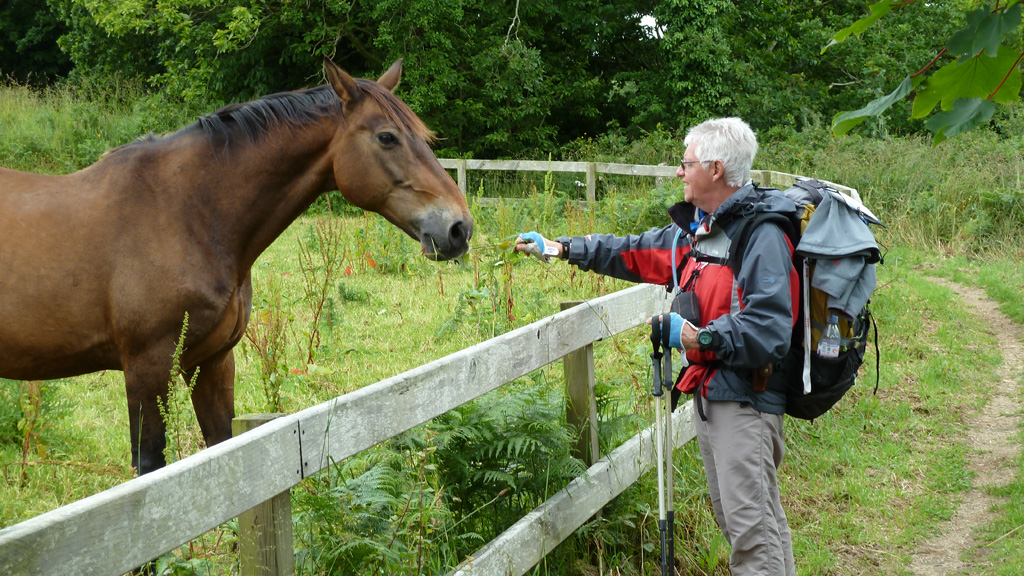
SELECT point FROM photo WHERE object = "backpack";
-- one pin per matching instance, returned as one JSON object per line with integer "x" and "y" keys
{"x": 814, "y": 383}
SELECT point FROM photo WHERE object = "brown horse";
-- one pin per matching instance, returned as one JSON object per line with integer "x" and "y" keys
{"x": 99, "y": 267}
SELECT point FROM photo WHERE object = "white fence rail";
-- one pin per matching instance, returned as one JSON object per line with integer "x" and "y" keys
{"x": 121, "y": 528}
{"x": 592, "y": 169}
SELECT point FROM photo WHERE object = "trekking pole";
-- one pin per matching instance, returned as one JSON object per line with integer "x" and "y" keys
{"x": 668, "y": 383}
{"x": 659, "y": 446}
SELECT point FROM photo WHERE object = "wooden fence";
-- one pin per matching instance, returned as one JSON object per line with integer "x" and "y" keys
{"x": 126, "y": 526}
{"x": 592, "y": 169}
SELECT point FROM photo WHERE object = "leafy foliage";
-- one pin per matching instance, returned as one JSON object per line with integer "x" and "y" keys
{"x": 518, "y": 79}
{"x": 28, "y": 42}
{"x": 986, "y": 70}
{"x": 696, "y": 56}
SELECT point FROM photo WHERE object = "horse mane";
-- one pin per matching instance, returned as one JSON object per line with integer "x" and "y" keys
{"x": 253, "y": 119}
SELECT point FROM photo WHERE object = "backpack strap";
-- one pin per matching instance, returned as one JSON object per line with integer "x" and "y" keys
{"x": 878, "y": 355}
{"x": 738, "y": 247}
{"x": 745, "y": 230}
{"x": 672, "y": 262}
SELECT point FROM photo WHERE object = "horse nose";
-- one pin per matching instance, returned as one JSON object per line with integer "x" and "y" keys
{"x": 459, "y": 235}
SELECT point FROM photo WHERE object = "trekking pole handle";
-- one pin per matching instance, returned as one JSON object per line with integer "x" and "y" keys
{"x": 666, "y": 338}
{"x": 656, "y": 355}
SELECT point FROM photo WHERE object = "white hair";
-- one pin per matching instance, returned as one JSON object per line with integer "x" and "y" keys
{"x": 727, "y": 139}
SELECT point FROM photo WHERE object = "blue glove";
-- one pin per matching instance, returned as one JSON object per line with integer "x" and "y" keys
{"x": 675, "y": 329}
{"x": 534, "y": 245}
{"x": 534, "y": 237}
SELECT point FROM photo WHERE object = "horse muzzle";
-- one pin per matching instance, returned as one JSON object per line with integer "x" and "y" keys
{"x": 448, "y": 243}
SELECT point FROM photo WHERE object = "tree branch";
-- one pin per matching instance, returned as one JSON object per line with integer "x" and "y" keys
{"x": 515, "y": 21}
{"x": 928, "y": 65}
{"x": 1010, "y": 71}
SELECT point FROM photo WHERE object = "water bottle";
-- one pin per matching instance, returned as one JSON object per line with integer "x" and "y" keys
{"x": 828, "y": 346}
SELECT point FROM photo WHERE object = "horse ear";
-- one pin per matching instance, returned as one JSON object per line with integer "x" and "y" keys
{"x": 344, "y": 85}
{"x": 391, "y": 78}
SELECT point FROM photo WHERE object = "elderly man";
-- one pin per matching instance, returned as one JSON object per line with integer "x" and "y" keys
{"x": 745, "y": 321}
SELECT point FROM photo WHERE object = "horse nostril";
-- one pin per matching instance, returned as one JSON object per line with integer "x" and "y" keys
{"x": 460, "y": 232}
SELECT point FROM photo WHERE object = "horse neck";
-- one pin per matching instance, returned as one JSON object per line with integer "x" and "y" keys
{"x": 264, "y": 186}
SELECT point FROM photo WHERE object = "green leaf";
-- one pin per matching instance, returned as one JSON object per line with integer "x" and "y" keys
{"x": 965, "y": 115}
{"x": 984, "y": 32}
{"x": 878, "y": 10}
{"x": 846, "y": 121}
{"x": 975, "y": 78}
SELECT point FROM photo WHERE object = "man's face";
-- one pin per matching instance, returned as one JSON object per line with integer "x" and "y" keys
{"x": 696, "y": 178}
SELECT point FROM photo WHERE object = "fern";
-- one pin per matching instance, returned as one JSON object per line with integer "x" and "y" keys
{"x": 423, "y": 501}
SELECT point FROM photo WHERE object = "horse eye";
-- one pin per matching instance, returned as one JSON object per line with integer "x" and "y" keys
{"x": 387, "y": 139}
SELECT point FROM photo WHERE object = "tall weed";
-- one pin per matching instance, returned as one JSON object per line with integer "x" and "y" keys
{"x": 321, "y": 257}
{"x": 267, "y": 339}
{"x": 66, "y": 127}
{"x": 183, "y": 435}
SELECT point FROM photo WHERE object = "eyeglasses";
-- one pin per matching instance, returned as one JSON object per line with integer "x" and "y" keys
{"x": 686, "y": 163}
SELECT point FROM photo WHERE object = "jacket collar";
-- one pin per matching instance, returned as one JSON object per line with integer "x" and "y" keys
{"x": 683, "y": 214}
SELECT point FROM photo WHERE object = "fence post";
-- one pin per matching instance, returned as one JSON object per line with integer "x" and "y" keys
{"x": 591, "y": 182}
{"x": 581, "y": 408}
{"x": 460, "y": 168}
{"x": 264, "y": 531}
{"x": 659, "y": 180}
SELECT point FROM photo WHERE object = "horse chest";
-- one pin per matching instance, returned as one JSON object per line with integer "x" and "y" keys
{"x": 221, "y": 331}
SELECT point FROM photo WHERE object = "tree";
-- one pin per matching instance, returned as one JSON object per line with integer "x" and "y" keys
{"x": 523, "y": 78}
{"x": 493, "y": 78}
{"x": 28, "y": 42}
{"x": 980, "y": 66}
{"x": 781, "y": 79}
{"x": 697, "y": 57}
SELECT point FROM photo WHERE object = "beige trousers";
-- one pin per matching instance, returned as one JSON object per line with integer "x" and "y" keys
{"x": 742, "y": 449}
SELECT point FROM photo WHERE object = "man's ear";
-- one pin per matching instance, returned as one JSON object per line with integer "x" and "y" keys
{"x": 718, "y": 170}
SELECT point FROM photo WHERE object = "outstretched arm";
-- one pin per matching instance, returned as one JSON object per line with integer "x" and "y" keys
{"x": 644, "y": 257}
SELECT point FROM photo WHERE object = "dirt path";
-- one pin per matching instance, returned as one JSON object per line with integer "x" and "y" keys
{"x": 991, "y": 443}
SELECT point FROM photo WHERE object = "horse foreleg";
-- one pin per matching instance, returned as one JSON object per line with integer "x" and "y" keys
{"x": 144, "y": 383}
{"x": 214, "y": 397}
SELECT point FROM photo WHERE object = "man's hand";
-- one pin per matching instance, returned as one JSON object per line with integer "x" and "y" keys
{"x": 682, "y": 334}
{"x": 537, "y": 246}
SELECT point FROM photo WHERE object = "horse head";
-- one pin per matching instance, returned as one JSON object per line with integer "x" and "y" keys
{"x": 398, "y": 177}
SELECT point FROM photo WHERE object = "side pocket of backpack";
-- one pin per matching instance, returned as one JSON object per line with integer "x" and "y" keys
{"x": 831, "y": 379}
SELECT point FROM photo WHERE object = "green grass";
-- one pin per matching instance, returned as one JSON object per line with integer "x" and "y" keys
{"x": 863, "y": 485}
{"x": 65, "y": 128}
{"x": 880, "y": 472}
